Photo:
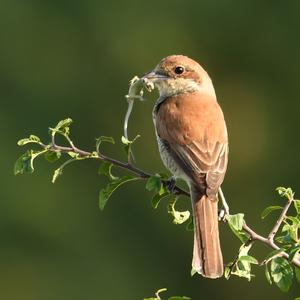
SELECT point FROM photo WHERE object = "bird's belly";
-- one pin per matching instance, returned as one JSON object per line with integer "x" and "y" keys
{"x": 169, "y": 161}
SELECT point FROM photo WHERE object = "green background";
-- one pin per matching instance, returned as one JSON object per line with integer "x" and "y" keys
{"x": 74, "y": 59}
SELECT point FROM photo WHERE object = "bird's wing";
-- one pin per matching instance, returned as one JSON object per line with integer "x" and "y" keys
{"x": 202, "y": 160}
{"x": 195, "y": 130}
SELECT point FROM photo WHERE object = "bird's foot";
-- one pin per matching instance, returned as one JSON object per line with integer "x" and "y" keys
{"x": 224, "y": 211}
{"x": 170, "y": 184}
{"x": 222, "y": 214}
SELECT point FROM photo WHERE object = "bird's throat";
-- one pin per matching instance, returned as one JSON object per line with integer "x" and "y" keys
{"x": 172, "y": 87}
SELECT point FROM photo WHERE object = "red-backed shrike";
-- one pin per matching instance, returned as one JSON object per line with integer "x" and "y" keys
{"x": 193, "y": 144}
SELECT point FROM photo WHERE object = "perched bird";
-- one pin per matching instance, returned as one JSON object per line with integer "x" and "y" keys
{"x": 193, "y": 144}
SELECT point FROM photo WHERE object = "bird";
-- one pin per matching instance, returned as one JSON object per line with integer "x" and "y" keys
{"x": 193, "y": 144}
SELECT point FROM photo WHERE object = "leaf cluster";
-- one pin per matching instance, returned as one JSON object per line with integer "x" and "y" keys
{"x": 279, "y": 269}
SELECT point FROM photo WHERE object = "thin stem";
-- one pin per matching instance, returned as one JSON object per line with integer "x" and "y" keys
{"x": 280, "y": 220}
{"x": 253, "y": 235}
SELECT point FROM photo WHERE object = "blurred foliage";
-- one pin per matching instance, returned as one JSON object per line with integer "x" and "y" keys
{"x": 75, "y": 58}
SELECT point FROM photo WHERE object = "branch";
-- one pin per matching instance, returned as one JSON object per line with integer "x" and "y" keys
{"x": 124, "y": 165}
{"x": 270, "y": 243}
{"x": 253, "y": 236}
{"x": 280, "y": 219}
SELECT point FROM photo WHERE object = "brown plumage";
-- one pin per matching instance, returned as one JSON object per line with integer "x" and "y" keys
{"x": 193, "y": 144}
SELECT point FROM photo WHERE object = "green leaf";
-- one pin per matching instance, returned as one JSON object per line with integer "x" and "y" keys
{"x": 297, "y": 273}
{"x": 242, "y": 273}
{"x": 128, "y": 142}
{"x": 227, "y": 271}
{"x": 190, "y": 225}
{"x": 285, "y": 227}
{"x": 241, "y": 235}
{"x": 32, "y": 139}
{"x": 294, "y": 220}
{"x": 293, "y": 251}
{"x": 163, "y": 175}
{"x": 179, "y": 298}
{"x": 105, "y": 169}
{"x": 281, "y": 190}
{"x": 285, "y": 192}
{"x": 24, "y": 163}
{"x": 64, "y": 123}
{"x": 267, "y": 274}
{"x": 106, "y": 139}
{"x": 73, "y": 154}
{"x": 163, "y": 190}
{"x": 269, "y": 209}
{"x": 179, "y": 217}
{"x": 297, "y": 206}
{"x": 282, "y": 273}
{"x": 242, "y": 266}
{"x": 293, "y": 232}
{"x": 62, "y": 126}
{"x": 124, "y": 140}
{"x": 244, "y": 249}
{"x": 58, "y": 172}
{"x": 273, "y": 254}
{"x": 153, "y": 183}
{"x": 298, "y": 298}
{"x": 291, "y": 229}
{"x": 245, "y": 259}
{"x": 284, "y": 239}
{"x": 105, "y": 193}
{"x": 249, "y": 258}
{"x": 157, "y": 198}
{"x": 52, "y": 156}
{"x": 236, "y": 221}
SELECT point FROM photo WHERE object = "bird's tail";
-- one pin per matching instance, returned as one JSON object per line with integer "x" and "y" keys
{"x": 207, "y": 255}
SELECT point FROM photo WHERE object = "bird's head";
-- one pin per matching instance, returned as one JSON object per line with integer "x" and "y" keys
{"x": 177, "y": 74}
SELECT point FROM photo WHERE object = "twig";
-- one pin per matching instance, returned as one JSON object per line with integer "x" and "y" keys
{"x": 249, "y": 244}
{"x": 270, "y": 243}
{"x": 158, "y": 292}
{"x": 280, "y": 220}
{"x": 127, "y": 166}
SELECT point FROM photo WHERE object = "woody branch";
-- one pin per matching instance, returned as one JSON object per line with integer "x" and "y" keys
{"x": 129, "y": 166}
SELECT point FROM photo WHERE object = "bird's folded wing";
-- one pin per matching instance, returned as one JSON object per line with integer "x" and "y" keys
{"x": 203, "y": 158}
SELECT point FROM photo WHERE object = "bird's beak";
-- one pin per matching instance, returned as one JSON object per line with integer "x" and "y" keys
{"x": 155, "y": 76}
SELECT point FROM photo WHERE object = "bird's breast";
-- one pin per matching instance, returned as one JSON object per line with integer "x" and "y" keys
{"x": 189, "y": 117}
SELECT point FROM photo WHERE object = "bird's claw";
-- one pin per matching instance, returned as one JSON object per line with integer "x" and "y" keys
{"x": 170, "y": 184}
{"x": 224, "y": 211}
{"x": 222, "y": 214}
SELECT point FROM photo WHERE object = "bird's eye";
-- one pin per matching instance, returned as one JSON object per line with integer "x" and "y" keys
{"x": 179, "y": 70}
